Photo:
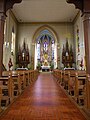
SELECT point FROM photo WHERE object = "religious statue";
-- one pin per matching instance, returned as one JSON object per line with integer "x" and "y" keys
{"x": 81, "y": 64}
{"x": 10, "y": 64}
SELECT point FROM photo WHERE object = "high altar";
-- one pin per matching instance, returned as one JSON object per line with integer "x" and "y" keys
{"x": 46, "y": 53}
{"x": 45, "y": 66}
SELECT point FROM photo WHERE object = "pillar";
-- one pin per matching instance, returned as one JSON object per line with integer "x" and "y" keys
{"x": 84, "y": 6}
{"x": 4, "y": 6}
{"x": 86, "y": 22}
{"x": 2, "y": 20}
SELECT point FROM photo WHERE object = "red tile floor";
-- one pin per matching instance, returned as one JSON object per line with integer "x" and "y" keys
{"x": 44, "y": 100}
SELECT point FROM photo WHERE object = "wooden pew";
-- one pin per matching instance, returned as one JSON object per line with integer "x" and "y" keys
{"x": 71, "y": 82}
{"x": 76, "y": 85}
{"x": 20, "y": 78}
{"x": 0, "y": 99}
{"x": 87, "y": 94}
{"x": 36, "y": 74}
{"x": 14, "y": 81}
{"x": 6, "y": 87}
{"x": 58, "y": 75}
{"x": 31, "y": 76}
{"x": 80, "y": 86}
{"x": 74, "y": 82}
{"x": 17, "y": 77}
{"x": 66, "y": 78}
{"x": 27, "y": 82}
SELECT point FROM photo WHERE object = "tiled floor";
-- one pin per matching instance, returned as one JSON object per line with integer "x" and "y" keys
{"x": 44, "y": 100}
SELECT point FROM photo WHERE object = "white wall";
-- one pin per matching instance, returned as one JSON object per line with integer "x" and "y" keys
{"x": 10, "y": 22}
{"x": 27, "y": 31}
{"x": 79, "y": 55}
{"x": 63, "y": 31}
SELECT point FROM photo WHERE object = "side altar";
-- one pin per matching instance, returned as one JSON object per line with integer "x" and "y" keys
{"x": 23, "y": 56}
{"x": 67, "y": 56}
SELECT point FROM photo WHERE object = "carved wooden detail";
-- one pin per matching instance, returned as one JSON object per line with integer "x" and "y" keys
{"x": 7, "y": 4}
{"x": 10, "y": 3}
{"x": 83, "y": 5}
{"x": 78, "y": 3}
{"x": 67, "y": 56}
{"x": 23, "y": 56}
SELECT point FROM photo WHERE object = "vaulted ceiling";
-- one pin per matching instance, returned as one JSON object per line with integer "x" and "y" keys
{"x": 44, "y": 11}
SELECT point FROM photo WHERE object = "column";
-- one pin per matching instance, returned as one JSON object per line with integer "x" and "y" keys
{"x": 86, "y": 22}
{"x": 2, "y": 20}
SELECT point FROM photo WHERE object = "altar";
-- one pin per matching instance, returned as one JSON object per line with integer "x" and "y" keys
{"x": 45, "y": 68}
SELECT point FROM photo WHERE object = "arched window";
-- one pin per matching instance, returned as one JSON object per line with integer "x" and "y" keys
{"x": 12, "y": 41}
{"x": 45, "y": 48}
{"x": 38, "y": 50}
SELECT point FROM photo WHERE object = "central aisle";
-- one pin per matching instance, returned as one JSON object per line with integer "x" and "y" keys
{"x": 44, "y": 100}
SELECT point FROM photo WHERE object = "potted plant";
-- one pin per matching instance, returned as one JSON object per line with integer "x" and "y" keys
{"x": 39, "y": 66}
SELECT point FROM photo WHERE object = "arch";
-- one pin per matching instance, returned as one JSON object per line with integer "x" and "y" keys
{"x": 36, "y": 35}
{"x": 51, "y": 30}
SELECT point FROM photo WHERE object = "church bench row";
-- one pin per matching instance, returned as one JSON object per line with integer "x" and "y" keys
{"x": 13, "y": 83}
{"x": 5, "y": 90}
{"x": 73, "y": 82}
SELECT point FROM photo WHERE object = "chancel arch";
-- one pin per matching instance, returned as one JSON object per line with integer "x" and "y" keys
{"x": 45, "y": 47}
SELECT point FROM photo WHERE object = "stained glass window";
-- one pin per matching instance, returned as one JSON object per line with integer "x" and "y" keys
{"x": 53, "y": 51}
{"x": 45, "y": 47}
{"x": 38, "y": 51}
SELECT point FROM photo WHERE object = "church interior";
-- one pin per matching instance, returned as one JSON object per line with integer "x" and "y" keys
{"x": 44, "y": 60}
